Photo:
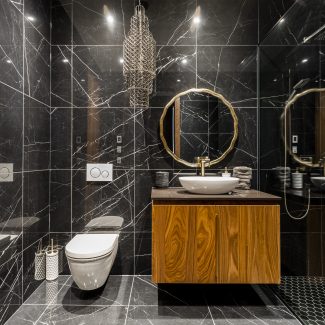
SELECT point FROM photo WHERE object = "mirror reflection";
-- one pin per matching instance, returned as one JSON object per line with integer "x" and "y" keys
{"x": 305, "y": 135}
{"x": 198, "y": 124}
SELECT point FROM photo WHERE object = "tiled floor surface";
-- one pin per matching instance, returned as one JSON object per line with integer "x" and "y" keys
{"x": 136, "y": 300}
{"x": 305, "y": 295}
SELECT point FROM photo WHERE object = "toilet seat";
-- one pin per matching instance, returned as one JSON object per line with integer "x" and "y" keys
{"x": 87, "y": 246}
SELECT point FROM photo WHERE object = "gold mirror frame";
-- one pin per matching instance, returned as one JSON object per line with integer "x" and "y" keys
{"x": 212, "y": 93}
{"x": 284, "y": 127}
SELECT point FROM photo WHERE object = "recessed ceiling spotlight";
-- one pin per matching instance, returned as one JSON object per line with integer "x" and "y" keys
{"x": 196, "y": 20}
{"x": 282, "y": 20}
{"x": 82, "y": 80}
{"x": 304, "y": 60}
{"x": 184, "y": 61}
{"x": 110, "y": 19}
{"x": 275, "y": 79}
{"x": 65, "y": 60}
{"x": 31, "y": 18}
{"x": 178, "y": 80}
{"x": 121, "y": 60}
{"x": 9, "y": 61}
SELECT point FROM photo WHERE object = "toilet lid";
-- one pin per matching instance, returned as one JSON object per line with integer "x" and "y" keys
{"x": 91, "y": 245}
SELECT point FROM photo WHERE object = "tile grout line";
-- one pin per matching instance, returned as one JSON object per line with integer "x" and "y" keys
{"x": 47, "y": 305}
{"x": 127, "y": 310}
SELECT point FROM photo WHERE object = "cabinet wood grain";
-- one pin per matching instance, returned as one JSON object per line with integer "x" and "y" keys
{"x": 216, "y": 244}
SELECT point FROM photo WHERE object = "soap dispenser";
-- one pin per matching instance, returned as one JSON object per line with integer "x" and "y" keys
{"x": 226, "y": 173}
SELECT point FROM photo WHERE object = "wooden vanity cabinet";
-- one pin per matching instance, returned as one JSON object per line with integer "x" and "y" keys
{"x": 210, "y": 243}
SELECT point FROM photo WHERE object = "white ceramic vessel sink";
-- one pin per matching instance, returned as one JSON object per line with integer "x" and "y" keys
{"x": 209, "y": 184}
{"x": 319, "y": 182}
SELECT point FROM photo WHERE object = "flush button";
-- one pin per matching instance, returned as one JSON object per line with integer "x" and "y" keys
{"x": 4, "y": 172}
{"x": 95, "y": 172}
{"x": 105, "y": 173}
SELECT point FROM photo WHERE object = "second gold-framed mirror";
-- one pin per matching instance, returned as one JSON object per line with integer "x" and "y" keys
{"x": 198, "y": 122}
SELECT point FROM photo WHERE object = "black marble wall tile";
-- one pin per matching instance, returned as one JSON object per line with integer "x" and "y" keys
{"x": 61, "y": 22}
{"x": 61, "y": 138}
{"x": 228, "y": 22}
{"x": 95, "y": 134}
{"x": 97, "y": 77}
{"x": 149, "y": 150}
{"x": 176, "y": 72}
{"x": 38, "y": 14}
{"x": 143, "y": 244}
{"x": 124, "y": 261}
{"x": 11, "y": 22}
{"x": 60, "y": 204}
{"x": 29, "y": 282}
{"x": 10, "y": 287}
{"x": 37, "y": 139}
{"x": 230, "y": 71}
{"x": 61, "y": 75}
{"x": 35, "y": 206}
{"x": 11, "y": 136}
{"x": 91, "y": 200}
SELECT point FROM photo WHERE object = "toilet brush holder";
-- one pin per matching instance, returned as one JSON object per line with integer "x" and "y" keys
{"x": 52, "y": 289}
{"x": 40, "y": 265}
{"x": 52, "y": 263}
{"x": 60, "y": 250}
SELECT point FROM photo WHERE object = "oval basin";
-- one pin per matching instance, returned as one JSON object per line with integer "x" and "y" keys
{"x": 209, "y": 184}
{"x": 319, "y": 182}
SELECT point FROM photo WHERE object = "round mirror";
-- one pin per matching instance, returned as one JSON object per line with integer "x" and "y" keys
{"x": 197, "y": 123}
{"x": 302, "y": 119}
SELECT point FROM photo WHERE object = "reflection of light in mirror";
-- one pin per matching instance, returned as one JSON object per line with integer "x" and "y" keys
{"x": 196, "y": 20}
{"x": 305, "y": 60}
{"x": 82, "y": 80}
{"x": 31, "y": 18}
{"x": 178, "y": 80}
{"x": 275, "y": 79}
{"x": 9, "y": 61}
{"x": 65, "y": 60}
{"x": 110, "y": 19}
{"x": 121, "y": 60}
{"x": 108, "y": 16}
{"x": 282, "y": 20}
{"x": 184, "y": 61}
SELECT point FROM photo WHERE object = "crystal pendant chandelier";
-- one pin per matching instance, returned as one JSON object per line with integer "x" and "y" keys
{"x": 139, "y": 59}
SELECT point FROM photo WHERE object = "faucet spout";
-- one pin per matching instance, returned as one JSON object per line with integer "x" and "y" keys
{"x": 201, "y": 163}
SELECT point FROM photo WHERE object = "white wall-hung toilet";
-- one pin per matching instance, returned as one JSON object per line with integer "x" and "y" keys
{"x": 91, "y": 255}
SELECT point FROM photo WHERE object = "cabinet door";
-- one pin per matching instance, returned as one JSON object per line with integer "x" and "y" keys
{"x": 248, "y": 244}
{"x": 183, "y": 244}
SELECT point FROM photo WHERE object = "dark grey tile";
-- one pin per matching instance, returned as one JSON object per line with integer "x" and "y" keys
{"x": 93, "y": 199}
{"x": 26, "y": 314}
{"x": 97, "y": 77}
{"x": 115, "y": 292}
{"x": 60, "y": 201}
{"x": 84, "y": 314}
{"x": 230, "y": 71}
{"x": 95, "y": 134}
{"x": 61, "y": 22}
{"x": 61, "y": 148}
{"x": 145, "y": 292}
{"x": 143, "y": 243}
{"x": 61, "y": 74}
{"x": 37, "y": 139}
{"x": 47, "y": 292}
{"x": 228, "y": 22}
{"x": 161, "y": 315}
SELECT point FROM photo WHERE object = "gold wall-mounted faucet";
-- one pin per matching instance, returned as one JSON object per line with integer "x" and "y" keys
{"x": 201, "y": 163}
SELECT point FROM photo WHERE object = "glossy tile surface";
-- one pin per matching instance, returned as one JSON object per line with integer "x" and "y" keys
{"x": 136, "y": 300}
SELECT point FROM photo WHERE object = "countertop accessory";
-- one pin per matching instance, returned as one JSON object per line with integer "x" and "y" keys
{"x": 297, "y": 180}
{"x": 226, "y": 173}
{"x": 162, "y": 179}
{"x": 40, "y": 263}
{"x": 282, "y": 176}
{"x": 139, "y": 59}
{"x": 245, "y": 176}
{"x": 52, "y": 263}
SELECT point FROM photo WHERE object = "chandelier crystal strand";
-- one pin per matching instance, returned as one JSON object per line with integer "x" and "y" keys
{"x": 139, "y": 59}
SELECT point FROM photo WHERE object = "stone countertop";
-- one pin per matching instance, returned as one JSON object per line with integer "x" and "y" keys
{"x": 179, "y": 193}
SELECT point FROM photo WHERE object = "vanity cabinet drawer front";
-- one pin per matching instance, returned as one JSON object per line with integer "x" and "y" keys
{"x": 248, "y": 244}
{"x": 216, "y": 244}
{"x": 183, "y": 244}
